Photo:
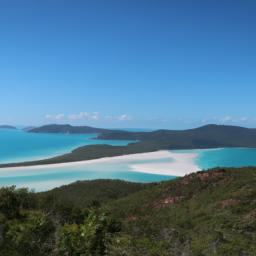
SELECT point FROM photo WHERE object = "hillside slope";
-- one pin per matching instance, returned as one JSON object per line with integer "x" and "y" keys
{"x": 81, "y": 194}
{"x": 207, "y": 213}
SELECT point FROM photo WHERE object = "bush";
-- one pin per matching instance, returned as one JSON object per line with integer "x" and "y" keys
{"x": 93, "y": 237}
{"x": 31, "y": 237}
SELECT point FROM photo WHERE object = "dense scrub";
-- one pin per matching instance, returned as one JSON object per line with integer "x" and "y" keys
{"x": 207, "y": 213}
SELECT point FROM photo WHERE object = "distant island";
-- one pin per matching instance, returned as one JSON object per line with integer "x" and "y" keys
{"x": 209, "y": 136}
{"x": 7, "y": 127}
{"x": 67, "y": 128}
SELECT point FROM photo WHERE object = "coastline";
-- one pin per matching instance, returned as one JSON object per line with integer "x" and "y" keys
{"x": 174, "y": 164}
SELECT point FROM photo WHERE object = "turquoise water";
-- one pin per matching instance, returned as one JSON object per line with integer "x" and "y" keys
{"x": 41, "y": 178}
{"x": 22, "y": 146}
{"x": 18, "y": 146}
{"x": 226, "y": 157}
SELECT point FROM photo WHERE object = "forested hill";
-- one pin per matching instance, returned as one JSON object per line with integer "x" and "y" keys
{"x": 208, "y": 136}
{"x": 66, "y": 128}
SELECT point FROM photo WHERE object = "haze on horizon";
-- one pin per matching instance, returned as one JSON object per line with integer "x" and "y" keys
{"x": 149, "y": 64}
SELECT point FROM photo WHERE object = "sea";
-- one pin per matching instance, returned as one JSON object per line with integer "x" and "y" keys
{"x": 20, "y": 146}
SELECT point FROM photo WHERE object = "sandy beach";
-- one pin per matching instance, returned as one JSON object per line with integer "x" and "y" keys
{"x": 173, "y": 164}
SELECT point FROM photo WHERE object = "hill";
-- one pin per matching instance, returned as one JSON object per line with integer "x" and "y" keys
{"x": 66, "y": 128}
{"x": 205, "y": 213}
{"x": 209, "y": 136}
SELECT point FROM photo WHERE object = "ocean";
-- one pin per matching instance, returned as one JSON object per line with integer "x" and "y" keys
{"x": 18, "y": 145}
{"x": 21, "y": 146}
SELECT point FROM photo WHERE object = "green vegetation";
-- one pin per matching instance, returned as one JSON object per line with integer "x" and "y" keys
{"x": 207, "y": 213}
{"x": 210, "y": 136}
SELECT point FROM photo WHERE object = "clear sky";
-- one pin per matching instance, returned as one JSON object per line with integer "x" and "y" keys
{"x": 125, "y": 63}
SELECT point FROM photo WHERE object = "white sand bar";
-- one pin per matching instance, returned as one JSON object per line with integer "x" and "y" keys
{"x": 180, "y": 165}
{"x": 173, "y": 164}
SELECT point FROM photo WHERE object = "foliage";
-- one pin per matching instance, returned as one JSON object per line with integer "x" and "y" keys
{"x": 93, "y": 237}
{"x": 35, "y": 224}
{"x": 31, "y": 236}
{"x": 12, "y": 201}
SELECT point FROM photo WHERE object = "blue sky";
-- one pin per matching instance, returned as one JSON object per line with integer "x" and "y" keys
{"x": 143, "y": 63}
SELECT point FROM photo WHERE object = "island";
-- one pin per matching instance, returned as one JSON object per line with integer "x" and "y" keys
{"x": 67, "y": 128}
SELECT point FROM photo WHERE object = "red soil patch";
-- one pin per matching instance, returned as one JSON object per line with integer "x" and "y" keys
{"x": 167, "y": 201}
{"x": 229, "y": 202}
{"x": 131, "y": 218}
